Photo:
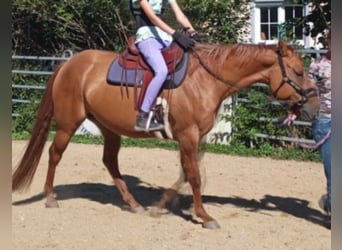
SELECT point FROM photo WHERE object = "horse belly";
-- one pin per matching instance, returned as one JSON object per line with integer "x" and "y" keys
{"x": 113, "y": 108}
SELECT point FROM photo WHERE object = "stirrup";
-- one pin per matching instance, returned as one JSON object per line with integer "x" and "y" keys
{"x": 148, "y": 128}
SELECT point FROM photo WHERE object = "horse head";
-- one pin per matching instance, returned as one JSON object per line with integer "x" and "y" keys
{"x": 289, "y": 82}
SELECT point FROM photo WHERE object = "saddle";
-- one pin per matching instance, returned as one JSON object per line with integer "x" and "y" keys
{"x": 131, "y": 59}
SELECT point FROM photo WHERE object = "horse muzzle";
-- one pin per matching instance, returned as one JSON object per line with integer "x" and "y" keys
{"x": 308, "y": 112}
{"x": 308, "y": 107}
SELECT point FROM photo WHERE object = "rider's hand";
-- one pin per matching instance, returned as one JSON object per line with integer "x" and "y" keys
{"x": 286, "y": 121}
{"x": 183, "y": 40}
{"x": 195, "y": 37}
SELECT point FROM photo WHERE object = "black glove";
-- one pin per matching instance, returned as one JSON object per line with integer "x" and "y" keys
{"x": 183, "y": 40}
{"x": 195, "y": 37}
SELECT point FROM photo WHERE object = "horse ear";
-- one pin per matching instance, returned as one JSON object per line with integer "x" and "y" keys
{"x": 284, "y": 48}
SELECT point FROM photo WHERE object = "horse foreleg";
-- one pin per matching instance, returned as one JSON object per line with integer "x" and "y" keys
{"x": 189, "y": 151}
{"x": 56, "y": 150}
{"x": 112, "y": 143}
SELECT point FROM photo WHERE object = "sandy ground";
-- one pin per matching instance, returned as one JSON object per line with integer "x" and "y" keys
{"x": 259, "y": 203}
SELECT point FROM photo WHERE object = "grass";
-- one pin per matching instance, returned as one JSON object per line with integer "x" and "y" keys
{"x": 264, "y": 150}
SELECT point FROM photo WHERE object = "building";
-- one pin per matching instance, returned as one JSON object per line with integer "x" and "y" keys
{"x": 267, "y": 17}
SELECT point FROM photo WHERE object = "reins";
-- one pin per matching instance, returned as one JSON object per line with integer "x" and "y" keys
{"x": 217, "y": 76}
{"x": 318, "y": 144}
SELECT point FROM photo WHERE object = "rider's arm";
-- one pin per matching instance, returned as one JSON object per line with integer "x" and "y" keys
{"x": 181, "y": 17}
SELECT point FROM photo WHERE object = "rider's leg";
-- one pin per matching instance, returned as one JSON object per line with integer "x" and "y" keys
{"x": 151, "y": 50}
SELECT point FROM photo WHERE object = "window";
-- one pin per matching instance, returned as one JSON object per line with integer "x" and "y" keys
{"x": 269, "y": 22}
{"x": 274, "y": 19}
{"x": 293, "y": 16}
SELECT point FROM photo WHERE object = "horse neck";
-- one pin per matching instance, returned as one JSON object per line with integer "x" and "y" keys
{"x": 240, "y": 68}
{"x": 247, "y": 64}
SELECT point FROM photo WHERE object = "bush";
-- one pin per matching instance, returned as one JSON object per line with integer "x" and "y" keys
{"x": 258, "y": 115}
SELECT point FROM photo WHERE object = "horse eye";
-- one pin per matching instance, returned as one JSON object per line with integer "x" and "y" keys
{"x": 299, "y": 73}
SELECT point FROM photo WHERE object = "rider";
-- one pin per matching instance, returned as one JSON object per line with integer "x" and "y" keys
{"x": 152, "y": 35}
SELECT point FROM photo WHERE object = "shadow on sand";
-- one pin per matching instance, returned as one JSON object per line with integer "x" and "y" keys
{"x": 148, "y": 195}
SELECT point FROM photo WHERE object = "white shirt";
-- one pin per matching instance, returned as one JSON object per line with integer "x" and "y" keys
{"x": 146, "y": 32}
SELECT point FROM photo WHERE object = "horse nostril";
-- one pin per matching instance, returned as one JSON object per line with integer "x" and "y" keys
{"x": 308, "y": 114}
{"x": 305, "y": 116}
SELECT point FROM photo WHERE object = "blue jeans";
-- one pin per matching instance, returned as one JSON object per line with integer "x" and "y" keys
{"x": 151, "y": 50}
{"x": 320, "y": 128}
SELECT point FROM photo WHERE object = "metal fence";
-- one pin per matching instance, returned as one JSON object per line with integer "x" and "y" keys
{"x": 53, "y": 60}
{"x": 221, "y": 133}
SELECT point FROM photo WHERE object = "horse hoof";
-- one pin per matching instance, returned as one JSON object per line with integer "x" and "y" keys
{"x": 52, "y": 204}
{"x": 211, "y": 224}
{"x": 138, "y": 209}
{"x": 157, "y": 212}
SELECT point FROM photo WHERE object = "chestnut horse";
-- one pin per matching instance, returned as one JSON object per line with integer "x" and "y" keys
{"x": 78, "y": 89}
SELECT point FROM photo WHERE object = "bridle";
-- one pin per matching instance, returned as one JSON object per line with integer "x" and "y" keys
{"x": 306, "y": 94}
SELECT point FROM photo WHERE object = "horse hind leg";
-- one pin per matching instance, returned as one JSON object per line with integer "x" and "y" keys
{"x": 66, "y": 126}
{"x": 169, "y": 195}
{"x": 112, "y": 143}
{"x": 180, "y": 186}
{"x": 56, "y": 151}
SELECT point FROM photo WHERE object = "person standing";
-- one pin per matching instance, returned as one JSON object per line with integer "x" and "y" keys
{"x": 152, "y": 35}
{"x": 320, "y": 73}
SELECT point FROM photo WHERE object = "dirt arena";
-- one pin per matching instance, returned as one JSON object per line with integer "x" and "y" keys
{"x": 259, "y": 203}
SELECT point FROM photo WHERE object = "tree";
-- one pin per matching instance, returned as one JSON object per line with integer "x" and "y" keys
{"x": 50, "y": 27}
{"x": 318, "y": 21}
{"x": 218, "y": 21}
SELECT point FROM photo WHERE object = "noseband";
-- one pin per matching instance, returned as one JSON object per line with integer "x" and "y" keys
{"x": 304, "y": 93}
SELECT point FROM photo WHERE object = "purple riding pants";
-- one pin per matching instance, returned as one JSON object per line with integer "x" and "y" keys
{"x": 151, "y": 50}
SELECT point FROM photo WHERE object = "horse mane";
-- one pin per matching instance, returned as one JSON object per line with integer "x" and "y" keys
{"x": 220, "y": 52}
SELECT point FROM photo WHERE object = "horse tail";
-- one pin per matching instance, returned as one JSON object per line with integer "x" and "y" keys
{"x": 25, "y": 170}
